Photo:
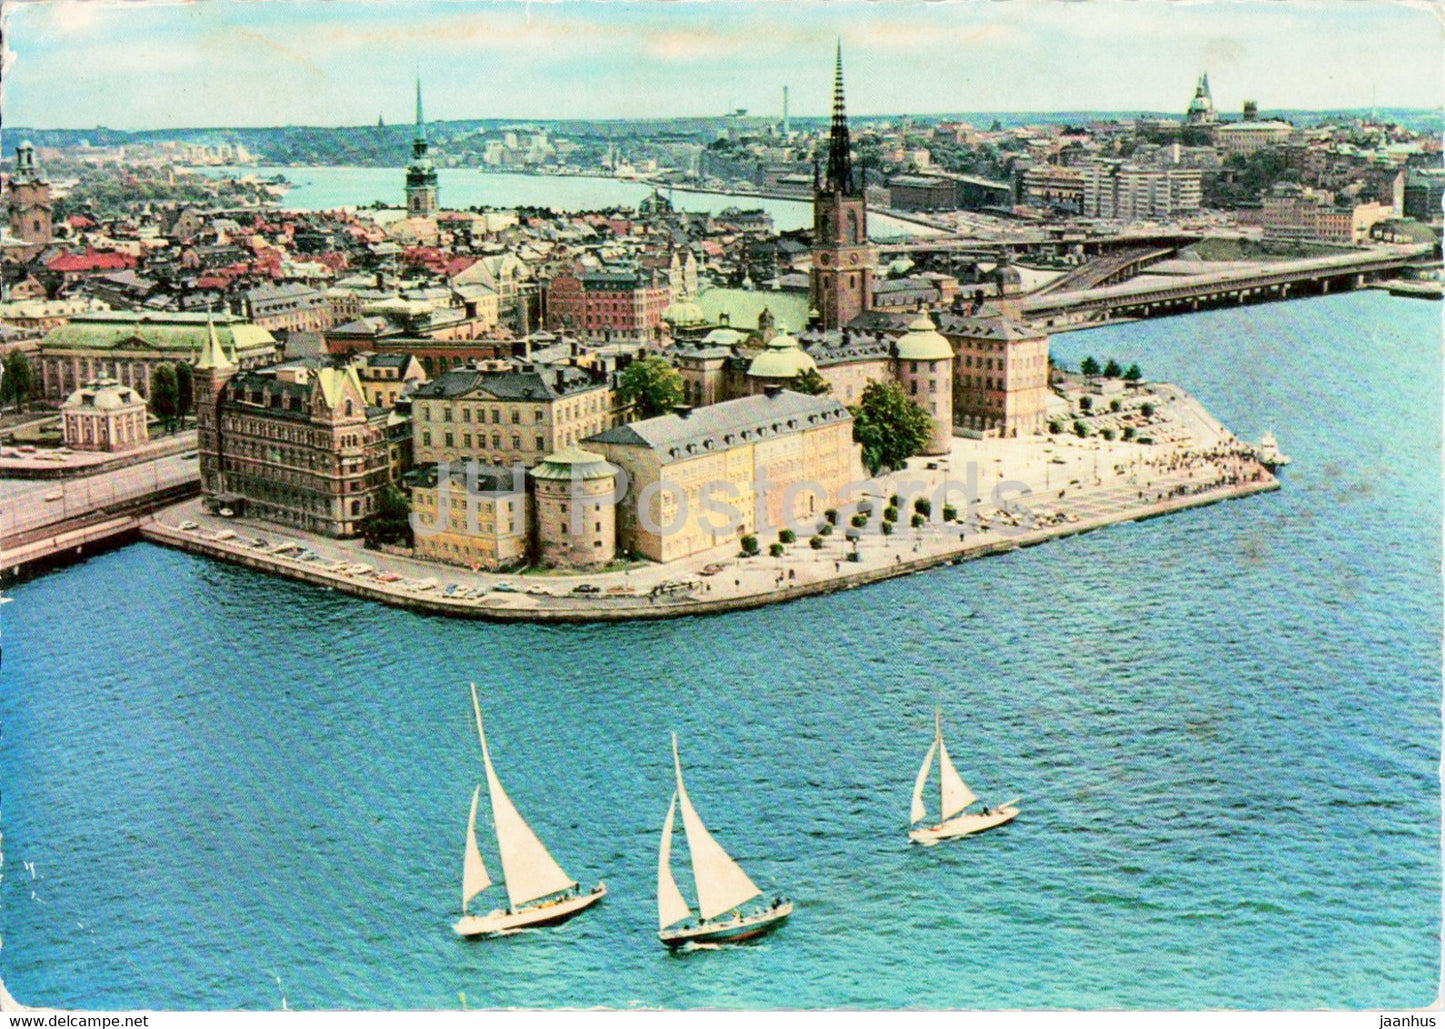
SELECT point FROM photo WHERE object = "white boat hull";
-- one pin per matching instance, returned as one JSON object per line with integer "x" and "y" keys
{"x": 735, "y": 930}
{"x": 964, "y": 825}
{"x": 528, "y": 916}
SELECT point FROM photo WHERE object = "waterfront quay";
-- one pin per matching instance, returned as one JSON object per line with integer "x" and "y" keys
{"x": 1029, "y": 490}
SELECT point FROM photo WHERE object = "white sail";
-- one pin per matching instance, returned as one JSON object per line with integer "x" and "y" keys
{"x": 527, "y": 867}
{"x": 474, "y": 871}
{"x": 956, "y": 794}
{"x": 721, "y": 884}
{"x": 918, "y": 811}
{"x": 671, "y": 905}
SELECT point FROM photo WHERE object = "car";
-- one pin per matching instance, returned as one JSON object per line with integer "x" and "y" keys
{"x": 188, "y": 526}
{"x": 620, "y": 591}
{"x": 54, "y": 495}
{"x": 504, "y": 587}
{"x": 711, "y": 569}
{"x": 475, "y": 593}
{"x": 257, "y": 543}
{"x": 538, "y": 591}
{"x": 388, "y": 577}
{"x": 226, "y": 512}
{"x": 451, "y": 590}
{"x": 223, "y": 535}
{"x": 585, "y": 588}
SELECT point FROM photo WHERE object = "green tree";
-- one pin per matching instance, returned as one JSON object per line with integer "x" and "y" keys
{"x": 810, "y": 382}
{"x": 891, "y": 427}
{"x": 391, "y": 522}
{"x": 775, "y": 550}
{"x": 786, "y": 536}
{"x": 749, "y": 543}
{"x": 816, "y": 542}
{"x": 1147, "y": 410}
{"x": 1089, "y": 366}
{"x": 1133, "y": 374}
{"x": 1086, "y": 404}
{"x": 165, "y": 397}
{"x": 652, "y": 385}
{"x": 18, "y": 381}
{"x": 185, "y": 390}
{"x": 1112, "y": 369}
{"x": 1080, "y": 430}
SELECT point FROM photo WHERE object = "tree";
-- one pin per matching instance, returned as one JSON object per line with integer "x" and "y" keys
{"x": 652, "y": 385}
{"x": 1089, "y": 366}
{"x": 391, "y": 522}
{"x": 185, "y": 389}
{"x": 810, "y": 382}
{"x": 787, "y": 536}
{"x": 1112, "y": 369}
{"x": 749, "y": 543}
{"x": 1147, "y": 410}
{"x": 1133, "y": 374}
{"x": 1080, "y": 430}
{"x": 18, "y": 380}
{"x": 891, "y": 427}
{"x": 164, "y": 395}
{"x": 1086, "y": 404}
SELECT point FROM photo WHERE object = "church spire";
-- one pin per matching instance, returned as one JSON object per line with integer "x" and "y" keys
{"x": 420, "y": 120}
{"x": 840, "y": 159}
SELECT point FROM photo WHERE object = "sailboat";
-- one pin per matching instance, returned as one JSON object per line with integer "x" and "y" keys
{"x": 723, "y": 888}
{"x": 538, "y": 891}
{"x": 954, "y": 797}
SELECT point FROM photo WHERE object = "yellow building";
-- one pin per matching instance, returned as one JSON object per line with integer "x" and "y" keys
{"x": 700, "y": 479}
{"x": 473, "y": 518}
{"x": 104, "y": 415}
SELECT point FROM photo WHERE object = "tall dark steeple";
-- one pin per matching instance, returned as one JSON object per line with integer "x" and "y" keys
{"x": 841, "y": 277}
{"x": 840, "y": 158}
{"x": 421, "y": 174}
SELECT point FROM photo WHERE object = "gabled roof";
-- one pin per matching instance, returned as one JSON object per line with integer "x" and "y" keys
{"x": 732, "y": 423}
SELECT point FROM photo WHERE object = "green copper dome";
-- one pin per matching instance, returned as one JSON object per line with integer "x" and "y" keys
{"x": 782, "y": 359}
{"x": 573, "y": 462}
{"x": 922, "y": 342}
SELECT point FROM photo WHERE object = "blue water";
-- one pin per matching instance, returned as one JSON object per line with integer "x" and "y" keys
{"x": 1224, "y": 725}
{"x": 327, "y": 188}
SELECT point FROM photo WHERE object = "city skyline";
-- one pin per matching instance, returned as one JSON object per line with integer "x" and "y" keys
{"x": 222, "y": 64}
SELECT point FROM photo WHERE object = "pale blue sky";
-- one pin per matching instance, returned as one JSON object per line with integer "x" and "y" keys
{"x": 136, "y": 64}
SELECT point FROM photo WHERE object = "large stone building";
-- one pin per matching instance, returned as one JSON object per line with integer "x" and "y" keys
{"x": 27, "y": 203}
{"x": 104, "y": 415}
{"x": 700, "y": 479}
{"x": 1296, "y": 213}
{"x": 508, "y": 417}
{"x": 1248, "y": 137}
{"x": 1126, "y": 192}
{"x": 128, "y": 345}
{"x": 290, "y": 306}
{"x": 840, "y": 284}
{"x": 295, "y": 443}
{"x": 618, "y": 305}
{"x": 475, "y": 517}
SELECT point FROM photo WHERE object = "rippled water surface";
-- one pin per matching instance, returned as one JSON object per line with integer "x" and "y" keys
{"x": 1224, "y": 725}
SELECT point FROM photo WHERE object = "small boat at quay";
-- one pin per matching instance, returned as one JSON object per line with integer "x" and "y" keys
{"x": 539, "y": 893}
{"x": 724, "y": 914}
{"x": 954, "y": 820}
{"x": 1268, "y": 452}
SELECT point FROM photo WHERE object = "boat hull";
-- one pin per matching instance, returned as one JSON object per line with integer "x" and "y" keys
{"x": 964, "y": 825}
{"x": 747, "y": 928}
{"x": 528, "y": 916}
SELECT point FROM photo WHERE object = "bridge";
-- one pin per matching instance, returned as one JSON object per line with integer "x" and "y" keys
{"x": 50, "y": 521}
{"x": 1273, "y": 281}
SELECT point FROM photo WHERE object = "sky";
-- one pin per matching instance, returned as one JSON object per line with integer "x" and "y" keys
{"x": 132, "y": 64}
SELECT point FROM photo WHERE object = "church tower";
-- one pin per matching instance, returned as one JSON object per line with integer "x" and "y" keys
{"x": 28, "y": 204}
{"x": 421, "y": 174}
{"x": 212, "y": 371}
{"x": 841, "y": 278}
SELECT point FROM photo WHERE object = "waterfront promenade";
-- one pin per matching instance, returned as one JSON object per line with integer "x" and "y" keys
{"x": 1052, "y": 487}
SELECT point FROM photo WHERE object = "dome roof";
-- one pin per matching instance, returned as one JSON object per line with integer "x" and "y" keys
{"x": 922, "y": 342}
{"x": 684, "y": 313}
{"x": 573, "y": 462}
{"x": 723, "y": 336}
{"x": 781, "y": 359}
{"x": 105, "y": 395}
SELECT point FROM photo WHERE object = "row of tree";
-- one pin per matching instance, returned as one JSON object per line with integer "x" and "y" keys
{"x": 1089, "y": 366}
{"x": 172, "y": 393}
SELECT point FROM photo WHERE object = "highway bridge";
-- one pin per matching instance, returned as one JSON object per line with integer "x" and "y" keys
{"x": 50, "y": 521}
{"x": 1275, "y": 280}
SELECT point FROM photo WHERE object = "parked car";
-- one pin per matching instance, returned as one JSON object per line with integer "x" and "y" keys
{"x": 504, "y": 587}
{"x": 586, "y": 588}
{"x": 188, "y": 526}
{"x": 538, "y": 591}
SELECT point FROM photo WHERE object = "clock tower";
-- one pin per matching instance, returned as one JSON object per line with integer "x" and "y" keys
{"x": 841, "y": 278}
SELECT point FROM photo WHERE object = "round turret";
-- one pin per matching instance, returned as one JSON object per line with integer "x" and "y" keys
{"x": 576, "y": 519}
{"x": 782, "y": 358}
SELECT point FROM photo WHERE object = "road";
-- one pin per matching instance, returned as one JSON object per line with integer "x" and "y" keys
{"x": 24, "y": 506}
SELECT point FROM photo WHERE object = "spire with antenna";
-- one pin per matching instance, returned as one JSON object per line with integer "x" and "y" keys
{"x": 840, "y": 158}
{"x": 420, "y": 120}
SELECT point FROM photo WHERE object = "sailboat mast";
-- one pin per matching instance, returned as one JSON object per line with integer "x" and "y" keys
{"x": 938, "y": 741}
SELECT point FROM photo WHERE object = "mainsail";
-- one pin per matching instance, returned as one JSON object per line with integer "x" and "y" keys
{"x": 956, "y": 794}
{"x": 474, "y": 872}
{"x": 529, "y": 870}
{"x": 671, "y": 905}
{"x": 721, "y": 884}
{"x": 918, "y": 811}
